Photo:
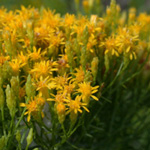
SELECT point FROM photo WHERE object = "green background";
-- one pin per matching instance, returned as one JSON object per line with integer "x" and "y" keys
{"x": 63, "y": 6}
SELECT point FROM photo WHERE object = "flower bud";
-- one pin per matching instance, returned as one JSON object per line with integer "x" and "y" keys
{"x": 88, "y": 76}
{"x": 86, "y": 6}
{"x": 30, "y": 90}
{"x": 7, "y": 41}
{"x": 15, "y": 85}
{"x": 85, "y": 36}
{"x": 83, "y": 58}
{"x": 6, "y": 71}
{"x": 91, "y": 2}
{"x": 61, "y": 110}
{"x": 69, "y": 53}
{"x": 132, "y": 13}
{"x": 107, "y": 62}
{"x": 11, "y": 101}
{"x": 30, "y": 137}
{"x": 18, "y": 136}
{"x": 94, "y": 67}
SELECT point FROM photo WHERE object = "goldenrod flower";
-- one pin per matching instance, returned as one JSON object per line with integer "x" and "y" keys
{"x": 43, "y": 68}
{"x": 87, "y": 91}
{"x": 68, "y": 89}
{"x": 79, "y": 75}
{"x": 36, "y": 54}
{"x": 58, "y": 98}
{"x": 61, "y": 112}
{"x": 110, "y": 46}
{"x": 56, "y": 40}
{"x": 22, "y": 92}
{"x": 62, "y": 64}
{"x": 25, "y": 41}
{"x": 42, "y": 83}
{"x": 34, "y": 106}
{"x": 69, "y": 20}
{"x": 23, "y": 58}
{"x": 91, "y": 43}
{"x": 127, "y": 42}
{"x": 16, "y": 65}
{"x": 75, "y": 105}
{"x": 3, "y": 59}
{"x": 61, "y": 81}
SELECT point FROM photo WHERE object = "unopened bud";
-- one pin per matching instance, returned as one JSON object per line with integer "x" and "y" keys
{"x": 15, "y": 85}
{"x": 86, "y": 6}
{"x": 18, "y": 136}
{"x": 11, "y": 101}
{"x": 30, "y": 90}
{"x": 61, "y": 109}
{"x": 30, "y": 137}
{"x": 94, "y": 67}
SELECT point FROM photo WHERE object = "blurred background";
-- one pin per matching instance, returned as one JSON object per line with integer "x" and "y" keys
{"x": 63, "y": 6}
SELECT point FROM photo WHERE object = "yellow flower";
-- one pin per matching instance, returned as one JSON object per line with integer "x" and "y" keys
{"x": 75, "y": 105}
{"x": 3, "y": 59}
{"x": 22, "y": 92}
{"x": 50, "y": 19}
{"x": 69, "y": 20}
{"x": 59, "y": 98}
{"x": 79, "y": 75}
{"x": 42, "y": 83}
{"x": 43, "y": 68}
{"x": 55, "y": 40}
{"x": 63, "y": 62}
{"x": 16, "y": 64}
{"x": 127, "y": 42}
{"x": 68, "y": 89}
{"x": 34, "y": 107}
{"x": 23, "y": 58}
{"x": 61, "y": 108}
{"x": 41, "y": 35}
{"x": 110, "y": 46}
{"x": 61, "y": 112}
{"x": 91, "y": 43}
{"x": 61, "y": 81}
{"x": 36, "y": 54}
{"x": 87, "y": 91}
{"x": 25, "y": 41}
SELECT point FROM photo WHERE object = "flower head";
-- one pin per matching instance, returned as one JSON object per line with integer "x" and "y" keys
{"x": 87, "y": 91}
{"x": 36, "y": 54}
{"x": 75, "y": 105}
{"x": 43, "y": 68}
{"x": 34, "y": 106}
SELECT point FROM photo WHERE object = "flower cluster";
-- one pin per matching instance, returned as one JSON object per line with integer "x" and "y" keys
{"x": 63, "y": 61}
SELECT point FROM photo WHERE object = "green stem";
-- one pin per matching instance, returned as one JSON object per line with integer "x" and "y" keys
{"x": 27, "y": 147}
{"x": 63, "y": 128}
{"x": 19, "y": 146}
{"x": 20, "y": 119}
{"x": 22, "y": 115}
